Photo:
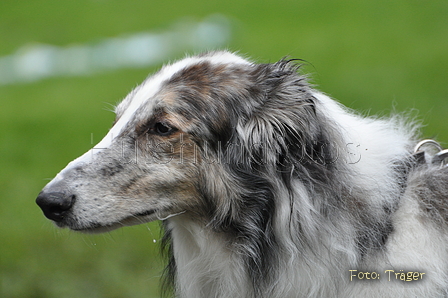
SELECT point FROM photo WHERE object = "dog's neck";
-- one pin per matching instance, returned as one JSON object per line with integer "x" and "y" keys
{"x": 205, "y": 264}
{"x": 208, "y": 264}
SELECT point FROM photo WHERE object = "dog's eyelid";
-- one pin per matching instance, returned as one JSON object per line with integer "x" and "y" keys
{"x": 159, "y": 127}
{"x": 163, "y": 128}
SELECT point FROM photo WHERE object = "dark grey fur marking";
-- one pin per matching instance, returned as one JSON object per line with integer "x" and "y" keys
{"x": 275, "y": 106}
{"x": 248, "y": 168}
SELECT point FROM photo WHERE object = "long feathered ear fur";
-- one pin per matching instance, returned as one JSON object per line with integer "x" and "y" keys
{"x": 285, "y": 132}
{"x": 278, "y": 141}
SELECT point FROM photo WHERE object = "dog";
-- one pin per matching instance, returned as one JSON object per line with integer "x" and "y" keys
{"x": 265, "y": 187}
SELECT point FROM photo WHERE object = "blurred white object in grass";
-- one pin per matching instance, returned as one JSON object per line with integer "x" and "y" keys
{"x": 143, "y": 49}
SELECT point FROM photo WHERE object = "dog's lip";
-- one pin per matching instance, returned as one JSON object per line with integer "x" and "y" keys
{"x": 95, "y": 227}
{"x": 144, "y": 213}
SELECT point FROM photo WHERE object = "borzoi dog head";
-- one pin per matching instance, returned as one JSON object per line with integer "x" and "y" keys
{"x": 204, "y": 137}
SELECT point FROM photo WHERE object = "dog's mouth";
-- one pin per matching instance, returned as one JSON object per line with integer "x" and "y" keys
{"x": 131, "y": 220}
{"x": 96, "y": 227}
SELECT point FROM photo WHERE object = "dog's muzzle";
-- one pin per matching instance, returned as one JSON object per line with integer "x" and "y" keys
{"x": 55, "y": 202}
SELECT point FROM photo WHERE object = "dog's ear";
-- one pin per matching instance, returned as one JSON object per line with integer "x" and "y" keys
{"x": 284, "y": 123}
{"x": 264, "y": 151}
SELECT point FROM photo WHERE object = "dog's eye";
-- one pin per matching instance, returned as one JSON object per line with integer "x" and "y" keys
{"x": 163, "y": 129}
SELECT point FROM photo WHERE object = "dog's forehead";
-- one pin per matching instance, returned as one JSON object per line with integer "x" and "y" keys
{"x": 163, "y": 89}
{"x": 145, "y": 92}
{"x": 145, "y": 95}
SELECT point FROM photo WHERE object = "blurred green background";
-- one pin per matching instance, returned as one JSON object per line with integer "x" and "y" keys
{"x": 374, "y": 56}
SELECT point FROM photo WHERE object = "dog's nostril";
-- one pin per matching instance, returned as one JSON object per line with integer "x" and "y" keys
{"x": 55, "y": 205}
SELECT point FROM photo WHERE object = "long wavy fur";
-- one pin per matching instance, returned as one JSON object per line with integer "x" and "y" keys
{"x": 288, "y": 195}
{"x": 266, "y": 187}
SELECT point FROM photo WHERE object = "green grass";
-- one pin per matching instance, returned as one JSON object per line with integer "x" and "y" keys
{"x": 374, "y": 56}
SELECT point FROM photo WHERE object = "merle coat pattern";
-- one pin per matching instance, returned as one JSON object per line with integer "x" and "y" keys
{"x": 265, "y": 186}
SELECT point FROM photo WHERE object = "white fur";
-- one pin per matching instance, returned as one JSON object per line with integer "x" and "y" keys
{"x": 203, "y": 260}
{"x": 317, "y": 238}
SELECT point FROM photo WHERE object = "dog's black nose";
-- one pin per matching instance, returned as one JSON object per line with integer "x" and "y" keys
{"x": 55, "y": 205}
